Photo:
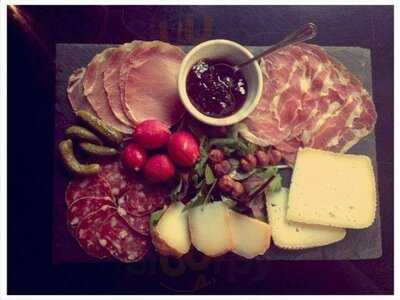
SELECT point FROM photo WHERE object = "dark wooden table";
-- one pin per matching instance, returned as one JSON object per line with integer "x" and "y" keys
{"x": 32, "y": 35}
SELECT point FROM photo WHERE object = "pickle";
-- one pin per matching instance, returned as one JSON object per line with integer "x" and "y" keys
{"x": 82, "y": 135}
{"x": 98, "y": 150}
{"x": 110, "y": 134}
{"x": 72, "y": 164}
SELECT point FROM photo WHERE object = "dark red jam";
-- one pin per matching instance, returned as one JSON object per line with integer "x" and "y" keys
{"x": 215, "y": 90}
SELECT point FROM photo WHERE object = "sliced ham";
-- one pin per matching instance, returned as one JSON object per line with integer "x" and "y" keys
{"x": 94, "y": 91}
{"x": 148, "y": 82}
{"x": 309, "y": 99}
{"x": 75, "y": 91}
{"x": 112, "y": 81}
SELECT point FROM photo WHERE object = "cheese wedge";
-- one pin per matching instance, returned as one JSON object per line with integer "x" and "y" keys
{"x": 251, "y": 237}
{"x": 209, "y": 228}
{"x": 171, "y": 234}
{"x": 332, "y": 189}
{"x": 293, "y": 235}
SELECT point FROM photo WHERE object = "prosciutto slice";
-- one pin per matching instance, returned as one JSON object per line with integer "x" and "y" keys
{"x": 148, "y": 82}
{"x": 75, "y": 91}
{"x": 309, "y": 99}
{"x": 95, "y": 92}
{"x": 112, "y": 81}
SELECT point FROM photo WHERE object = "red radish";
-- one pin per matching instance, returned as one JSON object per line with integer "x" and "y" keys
{"x": 151, "y": 134}
{"x": 134, "y": 157}
{"x": 159, "y": 168}
{"x": 183, "y": 149}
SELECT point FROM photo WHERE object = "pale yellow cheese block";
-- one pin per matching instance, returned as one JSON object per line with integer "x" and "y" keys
{"x": 332, "y": 189}
{"x": 209, "y": 229}
{"x": 171, "y": 234}
{"x": 251, "y": 237}
{"x": 293, "y": 235}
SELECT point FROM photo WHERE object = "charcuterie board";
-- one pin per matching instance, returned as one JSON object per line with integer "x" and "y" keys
{"x": 358, "y": 244}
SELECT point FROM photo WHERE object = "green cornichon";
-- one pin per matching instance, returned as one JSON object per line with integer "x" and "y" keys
{"x": 98, "y": 150}
{"x": 82, "y": 134}
{"x": 72, "y": 164}
{"x": 110, "y": 134}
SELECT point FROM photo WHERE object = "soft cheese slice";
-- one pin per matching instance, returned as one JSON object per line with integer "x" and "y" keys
{"x": 209, "y": 229}
{"x": 171, "y": 235}
{"x": 332, "y": 189}
{"x": 293, "y": 235}
{"x": 251, "y": 237}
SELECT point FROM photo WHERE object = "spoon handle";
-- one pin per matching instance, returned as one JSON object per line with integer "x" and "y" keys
{"x": 304, "y": 33}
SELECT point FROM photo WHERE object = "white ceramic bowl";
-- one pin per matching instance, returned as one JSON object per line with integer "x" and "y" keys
{"x": 233, "y": 53}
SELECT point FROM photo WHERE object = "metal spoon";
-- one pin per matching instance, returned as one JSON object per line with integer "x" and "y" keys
{"x": 304, "y": 33}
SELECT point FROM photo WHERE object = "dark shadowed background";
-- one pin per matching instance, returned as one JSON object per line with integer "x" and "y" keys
{"x": 32, "y": 35}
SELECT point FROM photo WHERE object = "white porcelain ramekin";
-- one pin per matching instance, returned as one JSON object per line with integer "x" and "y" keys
{"x": 235, "y": 54}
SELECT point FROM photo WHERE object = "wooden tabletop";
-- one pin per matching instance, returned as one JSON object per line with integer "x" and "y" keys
{"x": 32, "y": 35}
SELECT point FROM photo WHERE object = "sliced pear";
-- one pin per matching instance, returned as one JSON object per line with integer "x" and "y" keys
{"x": 170, "y": 236}
{"x": 251, "y": 237}
{"x": 209, "y": 229}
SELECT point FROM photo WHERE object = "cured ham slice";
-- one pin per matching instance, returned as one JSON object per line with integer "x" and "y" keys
{"x": 94, "y": 90}
{"x": 148, "y": 82}
{"x": 309, "y": 100}
{"x": 75, "y": 91}
{"x": 112, "y": 81}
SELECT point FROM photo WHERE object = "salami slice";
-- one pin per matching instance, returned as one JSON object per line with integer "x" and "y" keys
{"x": 143, "y": 199}
{"x": 115, "y": 174}
{"x": 121, "y": 241}
{"x": 93, "y": 186}
{"x": 139, "y": 224}
{"x": 82, "y": 207}
{"x": 88, "y": 231}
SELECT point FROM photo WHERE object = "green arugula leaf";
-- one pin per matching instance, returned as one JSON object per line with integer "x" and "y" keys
{"x": 276, "y": 184}
{"x": 242, "y": 148}
{"x": 199, "y": 184}
{"x": 210, "y": 191}
{"x": 228, "y": 150}
{"x": 197, "y": 200}
{"x": 252, "y": 148}
{"x": 156, "y": 216}
{"x": 199, "y": 166}
{"x": 209, "y": 175}
{"x": 266, "y": 172}
{"x": 175, "y": 192}
{"x": 228, "y": 201}
{"x": 222, "y": 142}
{"x": 239, "y": 176}
{"x": 234, "y": 163}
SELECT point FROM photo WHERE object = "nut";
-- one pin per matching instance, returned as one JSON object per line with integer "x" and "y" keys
{"x": 231, "y": 187}
{"x": 275, "y": 156}
{"x": 215, "y": 156}
{"x": 248, "y": 163}
{"x": 222, "y": 168}
{"x": 238, "y": 190}
{"x": 263, "y": 158}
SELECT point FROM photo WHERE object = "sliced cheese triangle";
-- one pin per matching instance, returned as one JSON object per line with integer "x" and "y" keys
{"x": 332, "y": 189}
{"x": 209, "y": 228}
{"x": 251, "y": 237}
{"x": 171, "y": 235}
{"x": 294, "y": 235}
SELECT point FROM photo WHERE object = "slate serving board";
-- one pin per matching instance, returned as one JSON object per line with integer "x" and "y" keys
{"x": 358, "y": 244}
